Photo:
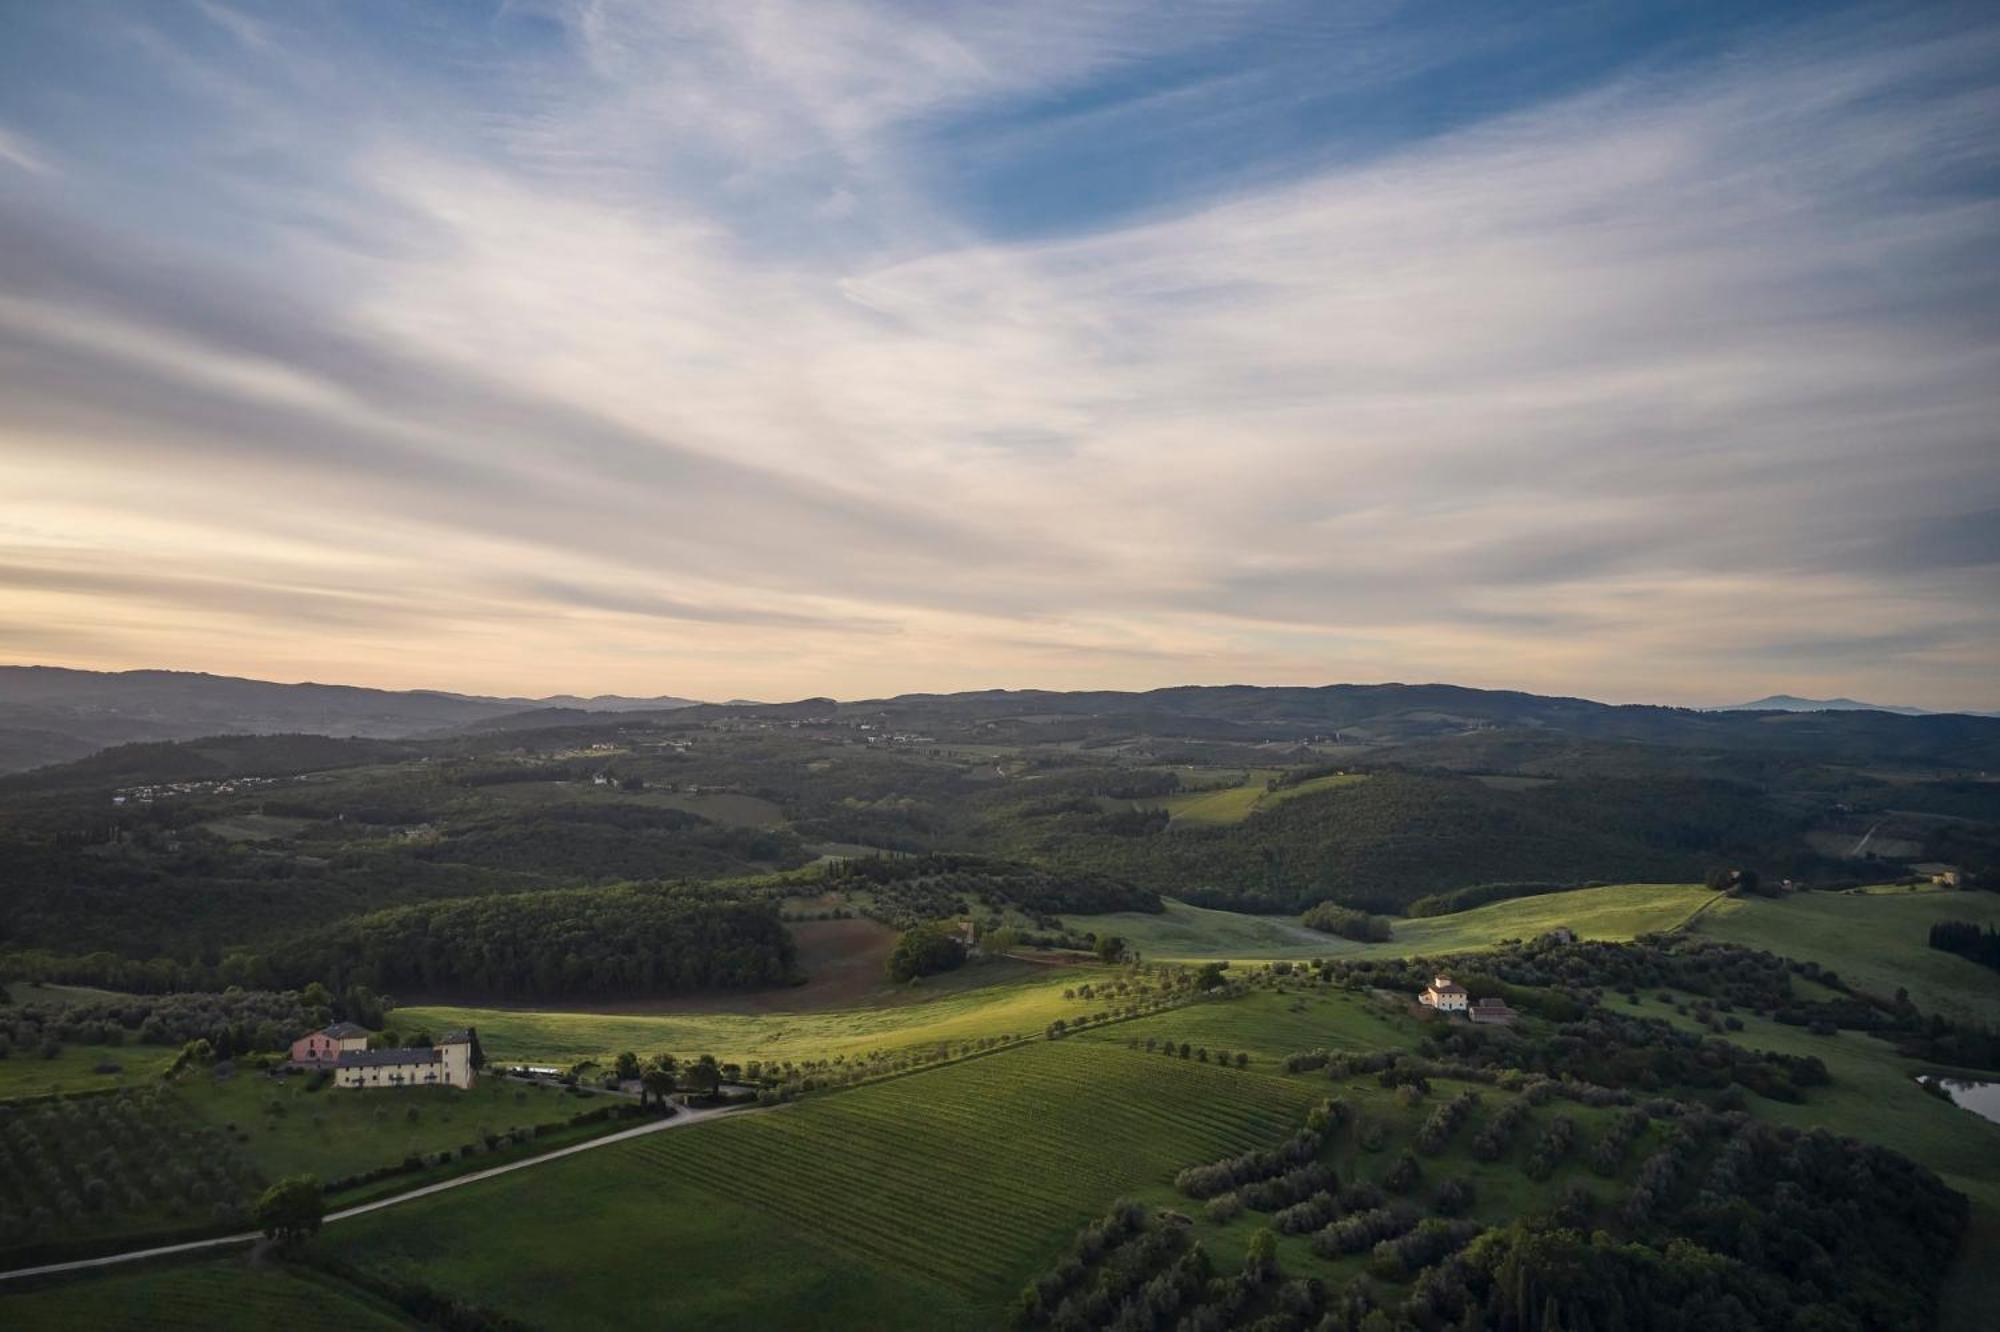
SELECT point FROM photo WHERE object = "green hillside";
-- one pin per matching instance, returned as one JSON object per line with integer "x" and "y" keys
{"x": 1877, "y": 942}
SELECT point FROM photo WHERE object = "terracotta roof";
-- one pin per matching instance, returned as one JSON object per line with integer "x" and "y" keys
{"x": 1449, "y": 987}
{"x": 385, "y": 1058}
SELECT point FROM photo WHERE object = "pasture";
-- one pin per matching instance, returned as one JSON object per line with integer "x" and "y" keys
{"x": 919, "y": 1202}
{"x": 1023, "y": 1004}
{"x": 1233, "y": 804}
{"x": 1875, "y": 941}
{"x": 76, "y": 1069}
{"x": 1620, "y": 911}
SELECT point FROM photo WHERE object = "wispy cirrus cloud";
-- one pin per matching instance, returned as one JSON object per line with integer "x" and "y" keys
{"x": 670, "y": 348}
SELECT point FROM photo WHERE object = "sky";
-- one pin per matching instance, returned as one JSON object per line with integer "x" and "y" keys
{"x": 1645, "y": 352}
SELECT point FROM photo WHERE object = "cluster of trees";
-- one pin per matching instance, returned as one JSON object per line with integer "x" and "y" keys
{"x": 602, "y": 842}
{"x": 73, "y": 1166}
{"x": 905, "y": 890}
{"x": 1232, "y": 1173}
{"x": 1331, "y": 918}
{"x": 1966, "y": 939}
{"x": 1445, "y": 1121}
{"x": 924, "y": 950}
{"x": 1556, "y": 1143}
{"x": 602, "y": 941}
{"x": 234, "y": 1022}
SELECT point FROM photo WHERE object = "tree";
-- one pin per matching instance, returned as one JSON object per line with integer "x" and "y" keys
{"x": 656, "y": 1083}
{"x": 923, "y": 951}
{"x": 1110, "y": 948}
{"x": 291, "y": 1210}
{"x": 1260, "y": 1263}
{"x": 627, "y": 1066}
{"x": 478, "y": 1052}
{"x": 704, "y": 1076}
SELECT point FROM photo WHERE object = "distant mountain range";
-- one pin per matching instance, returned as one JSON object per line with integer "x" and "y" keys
{"x": 51, "y": 715}
{"x": 1793, "y": 703}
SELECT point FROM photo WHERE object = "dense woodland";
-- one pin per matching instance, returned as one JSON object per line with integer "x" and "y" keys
{"x": 611, "y": 941}
{"x": 203, "y": 864}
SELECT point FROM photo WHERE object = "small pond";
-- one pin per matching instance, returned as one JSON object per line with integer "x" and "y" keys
{"x": 1981, "y": 1098}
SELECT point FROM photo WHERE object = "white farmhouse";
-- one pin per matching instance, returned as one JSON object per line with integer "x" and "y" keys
{"x": 446, "y": 1064}
{"x": 1445, "y": 995}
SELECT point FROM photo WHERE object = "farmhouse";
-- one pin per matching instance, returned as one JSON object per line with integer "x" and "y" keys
{"x": 1445, "y": 995}
{"x": 445, "y": 1064}
{"x": 322, "y": 1049}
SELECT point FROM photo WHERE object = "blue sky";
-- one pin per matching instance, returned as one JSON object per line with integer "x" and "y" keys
{"x": 1639, "y": 351}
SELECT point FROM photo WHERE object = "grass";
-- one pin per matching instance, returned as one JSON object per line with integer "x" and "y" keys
{"x": 1017, "y": 1007}
{"x": 1190, "y": 932}
{"x": 1620, "y": 911}
{"x": 256, "y": 827}
{"x": 1877, "y": 942}
{"x": 336, "y": 1132}
{"x": 920, "y": 1202}
{"x": 26, "y": 1073}
{"x": 221, "y": 1296}
{"x": 1270, "y": 1026}
{"x": 1233, "y": 804}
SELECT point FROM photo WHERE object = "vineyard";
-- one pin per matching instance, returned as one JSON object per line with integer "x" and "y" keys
{"x": 947, "y": 1186}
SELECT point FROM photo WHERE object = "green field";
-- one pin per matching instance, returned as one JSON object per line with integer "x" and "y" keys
{"x": 26, "y": 1073}
{"x": 231, "y": 1295}
{"x": 919, "y": 1202}
{"x": 1016, "y": 1007}
{"x": 335, "y": 1132}
{"x": 256, "y": 827}
{"x": 1876, "y": 942}
{"x": 1184, "y": 931}
{"x": 1233, "y": 804}
{"x": 1620, "y": 911}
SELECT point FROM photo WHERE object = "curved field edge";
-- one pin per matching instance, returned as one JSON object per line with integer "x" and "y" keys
{"x": 1017, "y": 1007}
{"x": 227, "y": 1295}
{"x": 1615, "y": 912}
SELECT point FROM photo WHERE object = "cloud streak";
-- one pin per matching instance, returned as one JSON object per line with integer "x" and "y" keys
{"x": 655, "y": 350}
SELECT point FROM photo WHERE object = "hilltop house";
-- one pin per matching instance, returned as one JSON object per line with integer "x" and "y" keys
{"x": 445, "y": 1064}
{"x": 1444, "y": 994}
{"x": 322, "y": 1049}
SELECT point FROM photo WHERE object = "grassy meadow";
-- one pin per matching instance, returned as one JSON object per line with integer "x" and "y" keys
{"x": 75, "y": 1069}
{"x": 1018, "y": 1006}
{"x": 1620, "y": 911}
{"x": 1876, "y": 941}
{"x": 1233, "y": 804}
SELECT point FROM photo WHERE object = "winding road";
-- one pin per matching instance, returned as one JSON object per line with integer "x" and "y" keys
{"x": 681, "y": 1120}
